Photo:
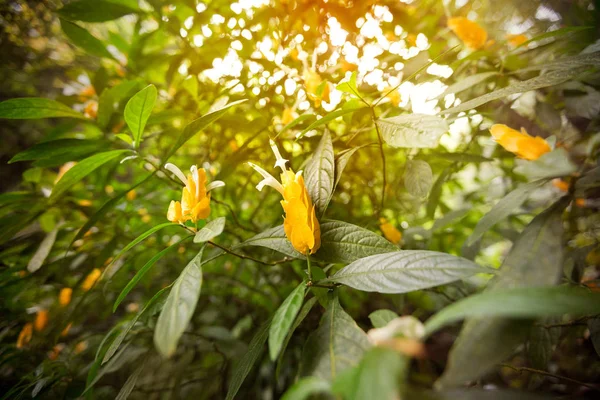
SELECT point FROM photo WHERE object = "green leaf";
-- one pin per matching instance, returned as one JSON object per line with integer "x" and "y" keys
{"x": 64, "y": 148}
{"x": 111, "y": 97}
{"x": 295, "y": 122}
{"x": 405, "y": 271}
{"x": 284, "y": 318}
{"x": 198, "y": 125}
{"x": 130, "y": 383}
{"x": 436, "y": 192}
{"x": 548, "y": 79}
{"x": 541, "y": 343}
{"x": 114, "y": 346}
{"x": 340, "y": 164}
{"x": 83, "y": 169}
{"x": 376, "y": 377}
{"x": 306, "y": 387}
{"x": 36, "y": 108}
{"x": 536, "y": 259}
{"x": 471, "y": 393}
{"x": 550, "y": 165}
{"x": 242, "y": 368}
{"x": 418, "y": 178}
{"x": 341, "y": 242}
{"x": 100, "y": 11}
{"x": 328, "y": 118}
{"x": 522, "y": 302}
{"x": 412, "y": 130}
{"x": 179, "y": 307}
{"x": 210, "y": 231}
{"x": 467, "y": 82}
{"x": 350, "y": 86}
{"x": 336, "y": 345}
{"x": 138, "y": 110}
{"x": 594, "y": 327}
{"x": 140, "y": 274}
{"x": 82, "y": 38}
{"x": 42, "y": 252}
{"x": 381, "y": 318}
{"x": 580, "y": 60}
{"x": 502, "y": 209}
{"x": 319, "y": 174}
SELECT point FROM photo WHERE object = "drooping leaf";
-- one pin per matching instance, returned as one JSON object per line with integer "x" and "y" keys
{"x": 83, "y": 169}
{"x": 522, "y": 302}
{"x": 36, "y": 108}
{"x": 405, "y": 271}
{"x": 211, "y": 230}
{"x": 82, "y": 38}
{"x": 306, "y": 387}
{"x": 580, "y": 60}
{"x": 349, "y": 86}
{"x": 130, "y": 383}
{"x": 320, "y": 174}
{"x": 42, "y": 252}
{"x": 284, "y": 318}
{"x": 381, "y": 318}
{"x": 550, "y": 165}
{"x": 467, "y": 82}
{"x": 534, "y": 260}
{"x": 138, "y": 110}
{"x": 111, "y": 97}
{"x": 418, "y": 178}
{"x": 412, "y": 130}
{"x": 242, "y": 368}
{"x": 100, "y": 11}
{"x": 502, "y": 209}
{"x": 63, "y": 148}
{"x": 328, "y": 118}
{"x": 179, "y": 307}
{"x": 551, "y": 78}
{"x": 336, "y": 345}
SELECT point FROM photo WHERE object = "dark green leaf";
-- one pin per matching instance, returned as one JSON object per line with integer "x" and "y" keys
{"x": 42, "y": 252}
{"x": 100, "y": 11}
{"x": 36, "y": 108}
{"x": 82, "y": 38}
{"x": 130, "y": 383}
{"x": 71, "y": 148}
{"x": 210, "y": 231}
{"x": 381, "y": 318}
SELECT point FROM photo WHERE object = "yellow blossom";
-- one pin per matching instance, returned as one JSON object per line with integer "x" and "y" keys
{"x": 561, "y": 185}
{"x": 81, "y": 347}
{"x": 64, "y": 297}
{"x": 84, "y": 202}
{"x": 470, "y": 32}
{"x": 91, "y": 279}
{"x": 25, "y": 335}
{"x": 91, "y": 109}
{"x": 389, "y": 231}
{"x": 520, "y": 143}
{"x": 312, "y": 83}
{"x": 63, "y": 170}
{"x": 516, "y": 40}
{"x": 195, "y": 197}
{"x": 56, "y": 350}
{"x": 288, "y": 115}
{"x": 41, "y": 320}
{"x": 300, "y": 222}
{"x": 394, "y": 96}
{"x": 87, "y": 93}
{"x": 65, "y": 331}
{"x": 131, "y": 195}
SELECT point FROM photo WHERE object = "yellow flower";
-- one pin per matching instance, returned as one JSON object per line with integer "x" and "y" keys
{"x": 561, "y": 185}
{"x": 394, "y": 96}
{"x": 81, "y": 347}
{"x": 25, "y": 335}
{"x": 389, "y": 231}
{"x": 64, "y": 297}
{"x": 195, "y": 197}
{"x": 41, "y": 320}
{"x": 91, "y": 109}
{"x": 288, "y": 115}
{"x": 65, "y": 331}
{"x": 470, "y": 32}
{"x": 300, "y": 222}
{"x": 91, "y": 279}
{"x": 131, "y": 195}
{"x": 516, "y": 40}
{"x": 312, "y": 83}
{"x": 63, "y": 170}
{"x": 520, "y": 143}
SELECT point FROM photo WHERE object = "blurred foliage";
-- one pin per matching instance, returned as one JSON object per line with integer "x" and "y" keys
{"x": 425, "y": 217}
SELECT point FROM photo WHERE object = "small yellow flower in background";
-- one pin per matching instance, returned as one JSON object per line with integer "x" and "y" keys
{"x": 56, "y": 350}
{"x": 91, "y": 109}
{"x": 312, "y": 83}
{"x": 81, "y": 347}
{"x": 394, "y": 96}
{"x": 300, "y": 222}
{"x": 516, "y": 40}
{"x": 346, "y": 66}
{"x": 389, "y": 231}
{"x": 25, "y": 335}
{"x": 91, "y": 279}
{"x": 470, "y": 32}
{"x": 288, "y": 115}
{"x": 520, "y": 143}
{"x": 63, "y": 170}
{"x": 87, "y": 93}
{"x": 64, "y": 297}
{"x": 233, "y": 145}
{"x": 561, "y": 185}
{"x": 411, "y": 39}
{"x": 65, "y": 331}
{"x": 41, "y": 320}
{"x": 131, "y": 195}
{"x": 109, "y": 189}
{"x": 84, "y": 203}
{"x": 195, "y": 198}
{"x": 581, "y": 203}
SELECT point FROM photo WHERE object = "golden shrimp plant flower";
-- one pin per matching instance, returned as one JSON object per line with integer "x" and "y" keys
{"x": 195, "y": 197}
{"x": 520, "y": 143}
{"x": 300, "y": 222}
{"x": 390, "y": 232}
{"x": 470, "y": 32}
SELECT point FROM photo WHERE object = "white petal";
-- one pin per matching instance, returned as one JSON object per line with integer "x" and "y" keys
{"x": 280, "y": 160}
{"x": 214, "y": 185}
{"x": 196, "y": 178}
{"x": 177, "y": 172}
{"x": 268, "y": 180}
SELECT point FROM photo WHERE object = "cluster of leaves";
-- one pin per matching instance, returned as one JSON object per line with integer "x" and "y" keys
{"x": 155, "y": 306}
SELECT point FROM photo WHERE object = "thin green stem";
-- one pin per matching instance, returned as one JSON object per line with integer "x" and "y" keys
{"x": 309, "y": 266}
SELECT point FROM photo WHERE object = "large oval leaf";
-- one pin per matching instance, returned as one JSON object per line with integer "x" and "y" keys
{"x": 405, "y": 271}
{"x": 35, "y": 108}
{"x": 284, "y": 318}
{"x": 320, "y": 174}
{"x": 179, "y": 307}
{"x": 138, "y": 110}
{"x": 418, "y": 178}
{"x": 412, "y": 130}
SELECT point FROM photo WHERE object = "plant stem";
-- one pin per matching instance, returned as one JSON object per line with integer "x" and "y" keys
{"x": 309, "y": 267}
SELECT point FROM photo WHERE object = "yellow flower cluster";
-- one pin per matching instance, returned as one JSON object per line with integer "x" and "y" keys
{"x": 300, "y": 222}
{"x": 520, "y": 143}
{"x": 195, "y": 197}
